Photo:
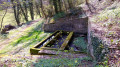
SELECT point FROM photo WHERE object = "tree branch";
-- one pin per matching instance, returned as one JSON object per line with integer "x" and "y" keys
{"x": 3, "y": 18}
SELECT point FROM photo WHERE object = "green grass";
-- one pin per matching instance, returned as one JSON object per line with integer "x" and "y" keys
{"x": 25, "y": 41}
{"x": 61, "y": 62}
{"x": 54, "y": 62}
{"x": 30, "y": 37}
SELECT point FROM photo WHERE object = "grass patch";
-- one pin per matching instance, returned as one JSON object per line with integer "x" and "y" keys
{"x": 61, "y": 62}
{"x": 31, "y": 36}
{"x": 20, "y": 40}
{"x": 25, "y": 41}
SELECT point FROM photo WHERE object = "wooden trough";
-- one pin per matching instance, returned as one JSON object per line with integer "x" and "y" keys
{"x": 57, "y": 41}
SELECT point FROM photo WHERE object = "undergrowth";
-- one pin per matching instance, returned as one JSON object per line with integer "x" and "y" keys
{"x": 80, "y": 42}
{"x": 59, "y": 15}
{"x": 55, "y": 62}
{"x": 64, "y": 62}
{"x": 107, "y": 14}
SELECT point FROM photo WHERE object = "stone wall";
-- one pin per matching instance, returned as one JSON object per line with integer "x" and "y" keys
{"x": 79, "y": 25}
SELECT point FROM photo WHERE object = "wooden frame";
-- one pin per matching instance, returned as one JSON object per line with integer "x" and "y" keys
{"x": 36, "y": 51}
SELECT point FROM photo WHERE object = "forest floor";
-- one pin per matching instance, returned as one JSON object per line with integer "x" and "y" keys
{"x": 15, "y": 49}
{"x": 105, "y": 24}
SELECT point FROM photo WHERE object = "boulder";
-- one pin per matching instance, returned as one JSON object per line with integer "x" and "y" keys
{"x": 7, "y": 28}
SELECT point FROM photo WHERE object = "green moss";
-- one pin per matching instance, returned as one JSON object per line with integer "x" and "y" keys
{"x": 66, "y": 41}
{"x": 34, "y": 51}
{"x": 31, "y": 36}
{"x": 100, "y": 49}
{"x": 80, "y": 42}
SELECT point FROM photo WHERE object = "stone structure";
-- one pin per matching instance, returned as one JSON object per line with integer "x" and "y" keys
{"x": 78, "y": 25}
{"x": 76, "y": 21}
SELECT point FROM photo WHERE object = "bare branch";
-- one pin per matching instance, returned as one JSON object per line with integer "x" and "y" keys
{"x": 3, "y": 18}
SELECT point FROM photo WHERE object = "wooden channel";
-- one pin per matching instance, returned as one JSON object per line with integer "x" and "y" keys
{"x": 41, "y": 46}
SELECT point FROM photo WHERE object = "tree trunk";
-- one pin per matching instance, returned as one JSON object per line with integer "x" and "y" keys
{"x": 70, "y": 3}
{"x": 55, "y": 6}
{"x": 59, "y": 4}
{"x": 24, "y": 14}
{"x": 16, "y": 12}
{"x": 37, "y": 9}
{"x": 41, "y": 6}
{"x": 31, "y": 9}
{"x": 26, "y": 11}
{"x": 88, "y": 5}
{"x": 65, "y": 5}
{"x": 3, "y": 19}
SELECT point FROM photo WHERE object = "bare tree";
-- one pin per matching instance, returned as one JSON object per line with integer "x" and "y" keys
{"x": 70, "y": 4}
{"x": 42, "y": 8}
{"x": 3, "y": 18}
{"x": 59, "y": 4}
{"x": 31, "y": 9}
{"x": 90, "y": 6}
{"x": 37, "y": 9}
{"x": 16, "y": 8}
{"x": 65, "y": 5}
{"x": 24, "y": 13}
{"x": 55, "y": 6}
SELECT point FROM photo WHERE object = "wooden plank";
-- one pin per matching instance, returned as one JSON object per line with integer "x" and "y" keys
{"x": 58, "y": 52}
{"x": 34, "y": 50}
{"x": 66, "y": 41}
{"x": 52, "y": 39}
{"x": 45, "y": 39}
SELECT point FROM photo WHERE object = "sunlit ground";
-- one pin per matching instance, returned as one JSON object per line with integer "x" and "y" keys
{"x": 15, "y": 46}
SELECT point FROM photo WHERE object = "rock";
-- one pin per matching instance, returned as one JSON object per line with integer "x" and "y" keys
{"x": 7, "y": 28}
